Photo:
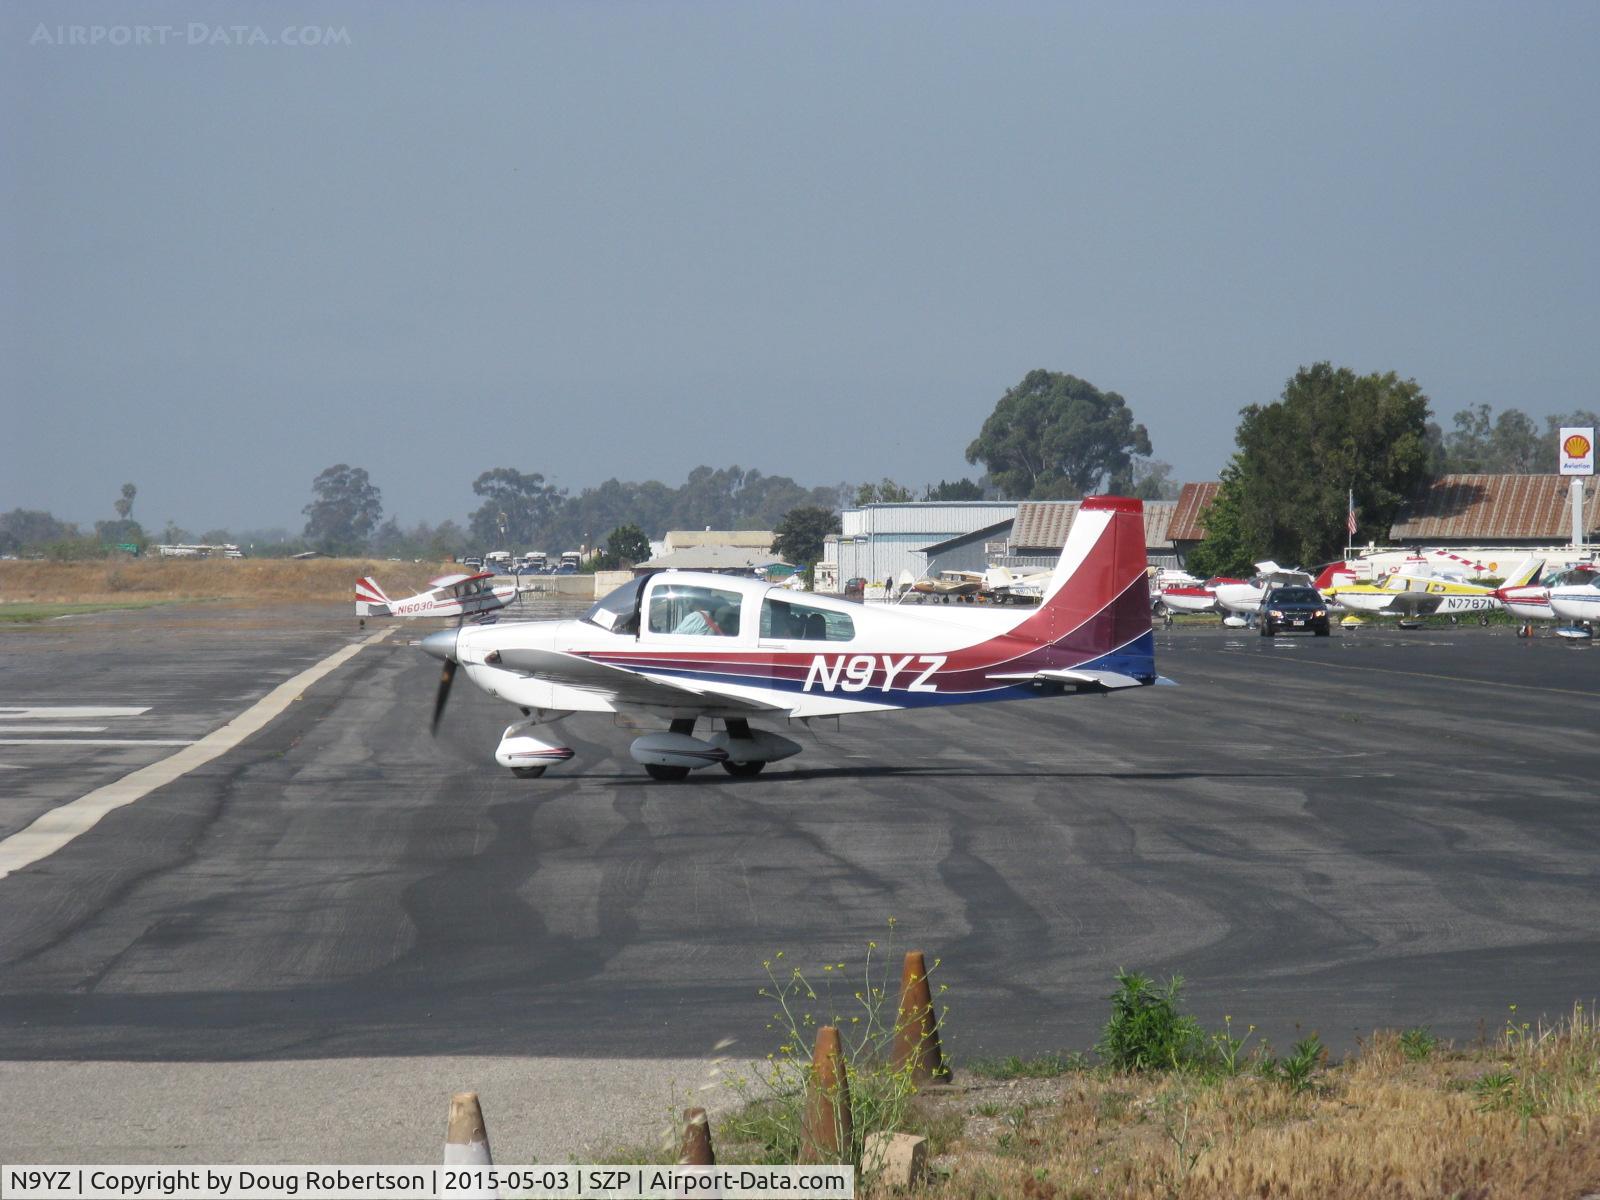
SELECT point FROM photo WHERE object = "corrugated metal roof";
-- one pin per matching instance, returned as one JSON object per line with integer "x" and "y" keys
{"x": 1490, "y": 507}
{"x": 940, "y": 518}
{"x": 1188, "y": 517}
{"x": 1042, "y": 524}
{"x": 1157, "y": 520}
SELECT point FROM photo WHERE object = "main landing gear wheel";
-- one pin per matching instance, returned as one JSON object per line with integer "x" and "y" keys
{"x": 527, "y": 772}
{"x": 666, "y": 774}
{"x": 743, "y": 770}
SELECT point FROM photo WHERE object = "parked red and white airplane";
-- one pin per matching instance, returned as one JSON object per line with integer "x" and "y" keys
{"x": 447, "y": 596}
{"x": 1530, "y": 601}
{"x": 687, "y": 646}
{"x": 1242, "y": 598}
{"x": 1181, "y": 592}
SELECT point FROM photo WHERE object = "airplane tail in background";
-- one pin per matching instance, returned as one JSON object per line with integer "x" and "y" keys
{"x": 1525, "y": 572}
{"x": 370, "y": 600}
{"x": 1096, "y": 610}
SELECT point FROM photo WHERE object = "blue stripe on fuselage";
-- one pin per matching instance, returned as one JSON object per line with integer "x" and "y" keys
{"x": 1136, "y": 659}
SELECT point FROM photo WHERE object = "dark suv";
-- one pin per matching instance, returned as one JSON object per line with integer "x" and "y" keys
{"x": 1284, "y": 608}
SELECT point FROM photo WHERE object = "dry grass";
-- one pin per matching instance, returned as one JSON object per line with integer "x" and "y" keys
{"x": 259, "y": 579}
{"x": 1517, "y": 1118}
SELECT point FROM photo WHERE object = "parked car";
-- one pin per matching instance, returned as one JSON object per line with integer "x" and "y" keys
{"x": 1294, "y": 607}
{"x": 855, "y": 588}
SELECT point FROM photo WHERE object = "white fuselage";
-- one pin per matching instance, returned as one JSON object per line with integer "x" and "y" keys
{"x": 442, "y": 602}
{"x": 1577, "y": 602}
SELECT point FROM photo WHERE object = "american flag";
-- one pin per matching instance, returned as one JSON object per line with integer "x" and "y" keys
{"x": 1350, "y": 515}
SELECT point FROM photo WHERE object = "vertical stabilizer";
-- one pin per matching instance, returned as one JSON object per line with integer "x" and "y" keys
{"x": 1097, "y": 606}
{"x": 370, "y": 600}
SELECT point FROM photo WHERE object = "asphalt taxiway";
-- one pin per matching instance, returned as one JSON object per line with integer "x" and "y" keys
{"x": 1379, "y": 828}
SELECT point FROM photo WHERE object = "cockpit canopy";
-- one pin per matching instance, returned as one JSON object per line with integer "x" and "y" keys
{"x": 663, "y": 603}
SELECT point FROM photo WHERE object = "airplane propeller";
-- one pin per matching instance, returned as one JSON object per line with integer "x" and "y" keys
{"x": 442, "y": 645}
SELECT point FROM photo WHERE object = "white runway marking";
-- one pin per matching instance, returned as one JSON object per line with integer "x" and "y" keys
{"x": 60, "y": 826}
{"x": 67, "y": 712}
{"x": 83, "y": 741}
{"x": 53, "y": 728}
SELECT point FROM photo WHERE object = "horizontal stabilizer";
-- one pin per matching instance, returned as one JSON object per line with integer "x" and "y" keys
{"x": 1108, "y": 681}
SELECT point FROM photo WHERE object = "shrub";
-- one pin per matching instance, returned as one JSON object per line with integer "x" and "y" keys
{"x": 1146, "y": 1031}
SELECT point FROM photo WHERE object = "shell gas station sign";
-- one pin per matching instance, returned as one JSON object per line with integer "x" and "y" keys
{"x": 1577, "y": 450}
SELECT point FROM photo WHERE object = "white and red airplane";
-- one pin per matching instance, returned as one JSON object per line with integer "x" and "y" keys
{"x": 1530, "y": 601}
{"x": 1240, "y": 599}
{"x": 447, "y": 596}
{"x": 687, "y": 646}
{"x": 1180, "y": 592}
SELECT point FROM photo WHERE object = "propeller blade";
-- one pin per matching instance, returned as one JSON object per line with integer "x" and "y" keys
{"x": 446, "y": 677}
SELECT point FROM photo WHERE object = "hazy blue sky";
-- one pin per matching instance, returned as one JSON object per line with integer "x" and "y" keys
{"x": 819, "y": 239}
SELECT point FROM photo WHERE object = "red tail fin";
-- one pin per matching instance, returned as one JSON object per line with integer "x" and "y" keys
{"x": 1099, "y": 595}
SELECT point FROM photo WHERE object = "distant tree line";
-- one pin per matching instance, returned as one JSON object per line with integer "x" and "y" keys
{"x": 1051, "y": 436}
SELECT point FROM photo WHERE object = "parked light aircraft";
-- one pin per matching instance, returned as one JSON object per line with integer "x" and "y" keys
{"x": 1008, "y": 587}
{"x": 1530, "y": 601}
{"x": 1414, "y": 596}
{"x": 1576, "y": 597}
{"x": 951, "y": 585}
{"x": 1180, "y": 592}
{"x": 685, "y": 646}
{"x": 1243, "y": 598}
{"x": 447, "y": 596}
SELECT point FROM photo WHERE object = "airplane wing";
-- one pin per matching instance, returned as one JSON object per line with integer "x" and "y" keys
{"x": 621, "y": 683}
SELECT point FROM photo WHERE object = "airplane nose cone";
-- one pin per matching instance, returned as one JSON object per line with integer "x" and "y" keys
{"x": 442, "y": 645}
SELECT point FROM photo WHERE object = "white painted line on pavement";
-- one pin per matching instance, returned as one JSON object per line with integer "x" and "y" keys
{"x": 61, "y": 825}
{"x": 64, "y": 712}
{"x": 53, "y": 728}
{"x": 77, "y": 741}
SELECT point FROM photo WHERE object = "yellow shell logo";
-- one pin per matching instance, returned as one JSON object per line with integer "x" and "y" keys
{"x": 1576, "y": 446}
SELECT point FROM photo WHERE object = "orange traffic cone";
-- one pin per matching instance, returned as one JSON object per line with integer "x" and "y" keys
{"x": 916, "y": 1028}
{"x": 696, "y": 1150}
{"x": 825, "y": 1133}
{"x": 466, "y": 1141}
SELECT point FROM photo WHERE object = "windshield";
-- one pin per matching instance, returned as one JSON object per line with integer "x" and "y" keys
{"x": 1296, "y": 595}
{"x": 618, "y": 610}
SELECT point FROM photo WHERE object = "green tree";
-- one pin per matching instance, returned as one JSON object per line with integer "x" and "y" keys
{"x": 801, "y": 532}
{"x": 960, "y": 489}
{"x": 1057, "y": 437}
{"x": 345, "y": 512}
{"x": 1509, "y": 444}
{"x": 124, "y": 506}
{"x": 885, "y": 492}
{"x": 30, "y": 528}
{"x": 1224, "y": 550}
{"x": 627, "y": 546}
{"x": 516, "y": 508}
{"x": 1151, "y": 479}
{"x": 1554, "y": 422}
{"x": 1331, "y": 432}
